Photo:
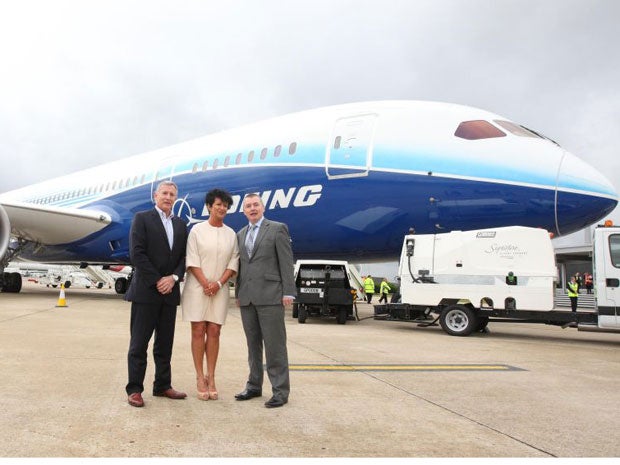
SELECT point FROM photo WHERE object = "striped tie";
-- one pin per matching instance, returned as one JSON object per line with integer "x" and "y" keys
{"x": 249, "y": 240}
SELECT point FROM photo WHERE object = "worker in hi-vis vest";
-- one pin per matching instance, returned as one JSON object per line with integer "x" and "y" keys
{"x": 369, "y": 288}
{"x": 384, "y": 289}
{"x": 573, "y": 293}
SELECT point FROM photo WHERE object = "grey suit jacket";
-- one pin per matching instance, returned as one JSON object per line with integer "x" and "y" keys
{"x": 267, "y": 276}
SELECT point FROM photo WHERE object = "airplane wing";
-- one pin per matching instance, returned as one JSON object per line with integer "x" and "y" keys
{"x": 53, "y": 225}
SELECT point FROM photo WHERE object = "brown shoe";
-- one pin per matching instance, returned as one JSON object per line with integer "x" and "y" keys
{"x": 135, "y": 399}
{"x": 170, "y": 394}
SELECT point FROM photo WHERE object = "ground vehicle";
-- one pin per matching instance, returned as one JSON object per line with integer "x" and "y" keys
{"x": 460, "y": 279}
{"x": 325, "y": 288}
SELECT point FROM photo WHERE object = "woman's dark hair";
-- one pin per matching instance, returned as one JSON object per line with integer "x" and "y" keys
{"x": 221, "y": 194}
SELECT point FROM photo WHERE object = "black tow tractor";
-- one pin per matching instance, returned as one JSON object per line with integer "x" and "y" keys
{"x": 324, "y": 290}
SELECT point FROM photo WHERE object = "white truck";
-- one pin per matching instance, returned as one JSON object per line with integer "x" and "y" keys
{"x": 465, "y": 279}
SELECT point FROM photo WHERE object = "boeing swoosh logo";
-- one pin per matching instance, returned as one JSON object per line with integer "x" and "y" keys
{"x": 183, "y": 209}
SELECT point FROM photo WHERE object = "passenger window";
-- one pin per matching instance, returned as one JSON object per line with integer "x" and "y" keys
{"x": 250, "y": 156}
{"x": 263, "y": 154}
{"x": 238, "y": 160}
{"x": 194, "y": 168}
{"x": 276, "y": 152}
{"x": 215, "y": 162}
{"x": 337, "y": 142}
{"x": 292, "y": 148}
{"x": 205, "y": 165}
{"x": 227, "y": 160}
{"x": 478, "y": 129}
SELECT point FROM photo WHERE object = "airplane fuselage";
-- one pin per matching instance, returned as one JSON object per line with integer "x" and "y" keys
{"x": 349, "y": 181}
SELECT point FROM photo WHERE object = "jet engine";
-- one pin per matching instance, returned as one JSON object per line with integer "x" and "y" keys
{"x": 5, "y": 232}
{"x": 9, "y": 282}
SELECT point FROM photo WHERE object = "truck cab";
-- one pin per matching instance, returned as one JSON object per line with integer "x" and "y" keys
{"x": 606, "y": 267}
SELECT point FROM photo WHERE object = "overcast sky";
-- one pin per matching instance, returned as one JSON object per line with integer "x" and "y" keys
{"x": 86, "y": 82}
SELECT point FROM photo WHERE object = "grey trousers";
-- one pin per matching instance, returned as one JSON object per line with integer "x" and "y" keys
{"x": 264, "y": 325}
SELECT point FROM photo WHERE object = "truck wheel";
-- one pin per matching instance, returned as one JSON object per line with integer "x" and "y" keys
{"x": 341, "y": 318}
{"x": 458, "y": 320}
{"x": 302, "y": 314}
{"x": 295, "y": 310}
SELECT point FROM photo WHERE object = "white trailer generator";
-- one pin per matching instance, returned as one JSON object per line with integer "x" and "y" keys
{"x": 464, "y": 279}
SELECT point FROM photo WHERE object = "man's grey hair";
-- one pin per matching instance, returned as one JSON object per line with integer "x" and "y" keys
{"x": 254, "y": 194}
{"x": 167, "y": 183}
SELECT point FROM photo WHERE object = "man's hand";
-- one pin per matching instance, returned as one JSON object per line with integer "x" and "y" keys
{"x": 165, "y": 284}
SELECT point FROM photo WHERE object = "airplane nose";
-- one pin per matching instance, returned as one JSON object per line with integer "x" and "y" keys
{"x": 583, "y": 195}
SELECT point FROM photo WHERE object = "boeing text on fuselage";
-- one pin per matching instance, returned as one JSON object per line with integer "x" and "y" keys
{"x": 292, "y": 197}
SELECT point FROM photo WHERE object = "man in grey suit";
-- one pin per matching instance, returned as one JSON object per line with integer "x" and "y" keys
{"x": 265, "y": 285}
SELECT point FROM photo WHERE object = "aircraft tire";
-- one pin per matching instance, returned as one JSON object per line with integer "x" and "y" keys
{"x": 17, "y": 282}
{"x": 120, "y": 285}
{"x": 12, "y": 282}
{"x": 458, "y": 320}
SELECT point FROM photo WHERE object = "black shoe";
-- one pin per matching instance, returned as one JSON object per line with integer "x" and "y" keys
{"x": 273, "y": 403}
{"x": 248, "y": 394}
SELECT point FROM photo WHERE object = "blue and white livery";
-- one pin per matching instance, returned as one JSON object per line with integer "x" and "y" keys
{"x": 349, "y": 180}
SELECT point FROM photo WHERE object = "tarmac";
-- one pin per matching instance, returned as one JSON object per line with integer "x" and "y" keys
{"x": 365, "y": 389}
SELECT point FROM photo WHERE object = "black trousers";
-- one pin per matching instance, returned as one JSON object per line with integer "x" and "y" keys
{"x": 369, "y": 297}
{"x": 383, "y": 298}
{"x": 573, "y": 303}
{"x": 147, "y": 319}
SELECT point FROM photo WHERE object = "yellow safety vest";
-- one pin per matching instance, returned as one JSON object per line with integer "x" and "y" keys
{"x": 369, "y": 286}
{"x": 573, "y": 290}
{"x": 385, "y": 287}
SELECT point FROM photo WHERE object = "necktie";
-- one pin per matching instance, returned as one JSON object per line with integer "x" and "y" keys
{"x": 249, "y": 240}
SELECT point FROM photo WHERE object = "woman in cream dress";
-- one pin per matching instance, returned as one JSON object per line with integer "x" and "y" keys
{"x": 212, "y": 259}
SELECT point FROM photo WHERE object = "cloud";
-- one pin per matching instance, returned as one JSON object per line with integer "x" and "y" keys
{"x": 86, "y": 82}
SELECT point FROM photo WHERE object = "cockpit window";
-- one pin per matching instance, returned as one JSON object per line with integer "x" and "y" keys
{"x": 478, "y": 129}
{"x": 515, "y": 128}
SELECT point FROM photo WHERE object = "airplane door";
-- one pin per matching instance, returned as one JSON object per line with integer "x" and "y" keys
{"x": 349, "y": 151}
{"x": 165, "y": 171}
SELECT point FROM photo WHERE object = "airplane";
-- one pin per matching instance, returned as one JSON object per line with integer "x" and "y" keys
{"x": 350, "y": 180}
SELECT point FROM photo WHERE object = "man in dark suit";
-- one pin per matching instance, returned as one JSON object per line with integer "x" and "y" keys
{"x": 157, "y": 250}
{"x": 265, "y": 285}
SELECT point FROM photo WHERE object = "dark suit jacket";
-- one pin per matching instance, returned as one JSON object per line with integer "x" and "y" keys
{"x": 152, "y": 258}
{"x": 268, "y": 275}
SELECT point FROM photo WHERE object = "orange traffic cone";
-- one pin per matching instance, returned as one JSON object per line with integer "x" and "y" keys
{"x": 62, "y": 302}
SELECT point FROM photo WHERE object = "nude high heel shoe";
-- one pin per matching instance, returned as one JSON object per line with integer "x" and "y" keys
{"x": 213, "y": 395}
{"x": 202, "y": 395}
